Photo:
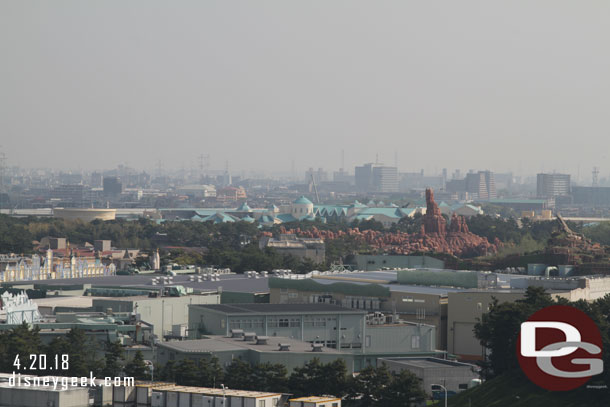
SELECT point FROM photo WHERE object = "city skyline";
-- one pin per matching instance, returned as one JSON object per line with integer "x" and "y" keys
{"x": 94, "y": 86}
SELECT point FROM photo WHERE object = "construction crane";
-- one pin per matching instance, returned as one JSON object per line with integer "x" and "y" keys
{"x": 315, "y": 188}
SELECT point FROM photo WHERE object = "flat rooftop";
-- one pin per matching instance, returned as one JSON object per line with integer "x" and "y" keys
{"x": 71, "y": 301}
{"x": 416, "y": 289}
{"x": 209, "y": 391}
{"x": 316, "y": 399}
{"x": 277, "y": 308}
{"x": 218, "y": 343}
{"x": 427, "y": 363}
{"x": 228, "y": 282}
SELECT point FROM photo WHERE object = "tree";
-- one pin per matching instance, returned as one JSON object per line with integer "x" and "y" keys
{"x": 405, "y": 390}
{"x": 113, "y": 362}
{"x": 271, "y": 377}
{"x": 378, "y": 387}
{"x": 319, "y": 378}
{"x": 368, "y": 387}
{"x": 137, "y": 368}
{"x": 168, "y": 372}
{"x": 187, "y": 373}
{"x": 82, "y": 351}
{"x": 210, "y": 372}
{"x": 21, "y": 341}
{"x": 238, "y": 375}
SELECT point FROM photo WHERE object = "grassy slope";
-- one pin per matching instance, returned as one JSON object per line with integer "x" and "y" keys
{"x": 514, "y": 390}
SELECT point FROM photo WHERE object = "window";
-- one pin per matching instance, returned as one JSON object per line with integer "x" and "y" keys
{"x": 335, "y": 404}
{"x": 283, "y": 323}
{"x": 415, "y": 342}
{"x": 463, "y": 386}
{"x": 308, "y": 322}
{"x": 261, "y": 403}
{"x": 295, "y": 322}
{"x": 272, "y": 323}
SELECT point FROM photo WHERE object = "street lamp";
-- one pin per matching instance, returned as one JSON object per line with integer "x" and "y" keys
{"x": 444, "y": 388}
{"x": 224, "y": 398}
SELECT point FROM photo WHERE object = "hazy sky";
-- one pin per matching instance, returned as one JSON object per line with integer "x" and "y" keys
{"x": 458, "y": 84}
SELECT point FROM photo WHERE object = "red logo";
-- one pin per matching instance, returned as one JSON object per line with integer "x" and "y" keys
{"x": 559, "y": 348}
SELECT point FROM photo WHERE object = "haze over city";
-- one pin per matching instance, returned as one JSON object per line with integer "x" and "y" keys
{"x": 519, "y": 86}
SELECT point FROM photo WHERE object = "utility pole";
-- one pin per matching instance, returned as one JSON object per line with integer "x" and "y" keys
{"x": 2, "y": 168}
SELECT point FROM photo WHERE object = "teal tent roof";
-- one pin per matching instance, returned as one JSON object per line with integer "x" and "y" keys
{"x": 248, "y": 219}
{"x": 244, "y": 207}
{"x": 286, "y": 217}
{"x": 219, "y": 217}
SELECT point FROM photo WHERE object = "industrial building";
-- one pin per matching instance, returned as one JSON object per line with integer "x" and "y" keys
{"x": 552, "y": 185}
{"x": 371, "y": 262}
{"x": 171, "y": 395}
{"x": 168, "y": 315}
{"x": 314, "y": 401}
{"x": 369, "y": 292}
{"x": 303, "y": 248}
{"x": 455, "y": 376}
{"x": 251, "y": 348}
{"x": 349, "y": 330}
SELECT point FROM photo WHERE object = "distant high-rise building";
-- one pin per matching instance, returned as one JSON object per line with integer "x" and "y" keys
{"x": 376, "y": 178}
{"x": 364, "y": 177}
{"x": 385, "y": 179}
{"x": 480, "y": 185}
{"x": 112, "y": 186}
{"x": 490, "y": 184}
{"x": 69, "y": 195}
{"x": 552, "y": 185}
{"x": 96, "y": 180}
{"x": 343, "y": 176}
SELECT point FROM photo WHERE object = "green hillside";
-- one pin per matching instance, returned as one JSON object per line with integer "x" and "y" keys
{"x": 514, "y": 390}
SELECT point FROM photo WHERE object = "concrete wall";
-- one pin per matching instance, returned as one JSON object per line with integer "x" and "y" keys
{"x": 32, "y": 397}
{"x": 400, "y": 338}
{"x": 340, "y": 330}
{"x": 161, "y": 312}
{"x": 464, "y": 310}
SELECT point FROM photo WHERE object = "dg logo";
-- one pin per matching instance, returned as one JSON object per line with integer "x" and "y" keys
{"x": 560, "y": 348}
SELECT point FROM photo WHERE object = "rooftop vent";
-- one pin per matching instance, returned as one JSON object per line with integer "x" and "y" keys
{"x": 284, "y": 347}
{"x": 249, "y": 336}
{"x": 261, "y": 340}
{"x": 317, "y": 347}
{"x": 237, "y": 333}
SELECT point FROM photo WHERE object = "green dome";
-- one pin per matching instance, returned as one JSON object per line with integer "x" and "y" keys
{"x": 303, "y": 201}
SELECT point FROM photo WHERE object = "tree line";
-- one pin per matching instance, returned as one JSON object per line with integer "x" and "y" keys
{"x": 373, "y": 386}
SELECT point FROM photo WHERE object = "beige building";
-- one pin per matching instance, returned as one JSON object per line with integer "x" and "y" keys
{"x": 314, "y": 401}
{"x": 425, "y": 305}
{"x": 466, "y": 309}
{"x": 167, "y": 315}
